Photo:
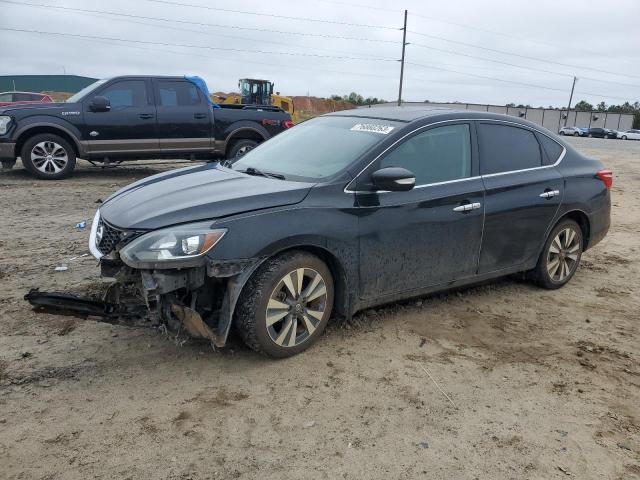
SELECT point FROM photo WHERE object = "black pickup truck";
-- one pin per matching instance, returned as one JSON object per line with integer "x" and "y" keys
{"x": 132, "y": 117}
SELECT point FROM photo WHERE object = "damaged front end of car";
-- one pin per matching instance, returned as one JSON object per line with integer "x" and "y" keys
{"x": 163, "y": 277}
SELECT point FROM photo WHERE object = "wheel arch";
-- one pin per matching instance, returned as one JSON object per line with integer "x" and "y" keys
{"x": 244, "y": 133}
{"x": 38, "y": 129}
{"x": 582, "y": 219}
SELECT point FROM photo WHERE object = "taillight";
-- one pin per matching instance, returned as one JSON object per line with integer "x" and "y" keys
{"x": 606, "y": 176}
{"x": 287, "y": 123}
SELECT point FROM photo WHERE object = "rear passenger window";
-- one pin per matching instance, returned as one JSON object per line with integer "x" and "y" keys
{"x": 504, "y": 148}
{"x": 552, "y": 148}
{"x": 437, "y": 155}
{"x": 178, "y": 94}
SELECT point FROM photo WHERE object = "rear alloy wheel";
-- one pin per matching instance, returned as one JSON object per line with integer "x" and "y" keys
{"x": 561, "y": 255}
{"x": 239, "y": 149}
{"x": 286, "y": 305}
{"x": 48, "y": 156}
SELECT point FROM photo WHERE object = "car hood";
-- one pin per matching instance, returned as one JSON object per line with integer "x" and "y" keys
{"x": 193, "y": 194}
{"x": 40, "y": 107}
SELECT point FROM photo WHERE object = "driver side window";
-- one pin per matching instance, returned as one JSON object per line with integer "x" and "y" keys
{"x": 130, "y": 93}
{"x": 437, "y": 155}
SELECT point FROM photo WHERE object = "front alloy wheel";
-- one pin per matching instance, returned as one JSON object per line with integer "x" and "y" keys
{"x": 48, "y": 156}
{"x": 296, "y": 307}
{"x": 286, "y": 304}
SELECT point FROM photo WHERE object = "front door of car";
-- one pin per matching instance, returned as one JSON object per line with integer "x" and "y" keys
{"x": 522, "y": 195}
{"x": 129, "y": 124}
{"x": 184, "y": 117}
{"x": 431, "y": 234}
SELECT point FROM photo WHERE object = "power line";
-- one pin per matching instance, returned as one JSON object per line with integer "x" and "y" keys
{"x": 266, "y": 52}
{"x": 530, "y": 85}
{"x": 202, "y": 24}
{"x": 520, "y": 55}
{"x": 191, "y": 30}
{"x": 523, "y": 84}
{"x": 519, "y": 66}
{"x": 272, "y": 15}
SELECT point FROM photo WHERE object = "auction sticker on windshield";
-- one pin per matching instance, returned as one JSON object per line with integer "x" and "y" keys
{"x": 373, "y": 128}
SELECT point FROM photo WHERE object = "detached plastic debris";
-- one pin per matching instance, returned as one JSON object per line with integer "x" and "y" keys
{"x": 61, "y": 268}
{"x": 81, "y": 225}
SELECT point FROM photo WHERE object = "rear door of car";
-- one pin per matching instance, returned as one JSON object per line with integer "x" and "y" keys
{"x": 523, "y": 192}
{"x": 129, "y": 126}
{"x": 428, "y": 235}
{"x": 184, "y": 116}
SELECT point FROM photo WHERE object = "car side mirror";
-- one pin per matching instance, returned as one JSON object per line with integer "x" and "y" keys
{"x": 393, "y": 179}
{"x": 100, "y": 104}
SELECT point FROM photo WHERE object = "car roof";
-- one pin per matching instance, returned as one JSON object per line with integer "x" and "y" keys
{"x": 19, "y": 91}
{"x": 412, "y": 113}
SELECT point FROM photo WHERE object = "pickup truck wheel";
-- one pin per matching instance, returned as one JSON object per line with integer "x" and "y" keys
{"x": 239, "y": 148}
{"x": 48, "y": 156}
{"x": 286, "y": 304}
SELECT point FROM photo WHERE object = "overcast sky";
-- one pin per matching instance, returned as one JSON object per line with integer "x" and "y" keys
{"x": 594, "y": 37}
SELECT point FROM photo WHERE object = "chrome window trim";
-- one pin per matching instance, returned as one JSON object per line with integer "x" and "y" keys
{"x": 526, "y": 127}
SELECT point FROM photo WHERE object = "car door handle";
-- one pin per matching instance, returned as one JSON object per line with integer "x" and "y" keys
{"x": 467, "y": 207}
{"x": 550, "y": 193}
{"x": 199, "y": 115}
{"x": 146, "y": 116}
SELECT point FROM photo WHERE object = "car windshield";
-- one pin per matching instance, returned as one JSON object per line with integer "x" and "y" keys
{"x": 85, "y": 91}
{"x": 318, "y": 148}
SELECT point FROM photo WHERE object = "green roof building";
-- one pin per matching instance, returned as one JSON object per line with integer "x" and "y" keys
{"x": 44, "y": 83}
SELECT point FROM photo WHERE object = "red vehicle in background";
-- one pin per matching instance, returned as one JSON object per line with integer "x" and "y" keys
{"x": 17, "y": 98}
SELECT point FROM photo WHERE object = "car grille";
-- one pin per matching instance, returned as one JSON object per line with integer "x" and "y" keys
{"x": 112, "y": 237}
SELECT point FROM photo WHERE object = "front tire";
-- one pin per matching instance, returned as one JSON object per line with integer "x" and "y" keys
{"x": 560, "y": 256}
{"x": 286, "y": 304}
{"x": 576, "y": 134}
{"x": 561, "y": 132}
{"x": 624, "y": 137}
{"x": 48, "y": 156}
{"x": 239, "y": 149}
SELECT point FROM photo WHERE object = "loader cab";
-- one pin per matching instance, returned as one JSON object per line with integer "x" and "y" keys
{"x": 255, "y": 92}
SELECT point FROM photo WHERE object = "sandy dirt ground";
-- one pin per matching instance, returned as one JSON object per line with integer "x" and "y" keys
{"x": 543, "y": 384}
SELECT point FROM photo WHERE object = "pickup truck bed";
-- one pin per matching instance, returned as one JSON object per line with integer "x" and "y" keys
{"x": 126, "y": 118}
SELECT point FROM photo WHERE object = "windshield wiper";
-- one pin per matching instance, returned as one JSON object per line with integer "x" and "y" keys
{"x": 260, "y": 173}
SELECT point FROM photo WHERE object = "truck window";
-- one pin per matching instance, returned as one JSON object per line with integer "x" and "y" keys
{"x": 128, "y": 93}
{"x": 178, "y": 94}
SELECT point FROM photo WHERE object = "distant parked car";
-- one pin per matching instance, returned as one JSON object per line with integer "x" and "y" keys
{"x": 17, "y": 98}
{"x": 598, "y": 132}
{"x": 575, "y": 131}
{"x": 629, "y": 135}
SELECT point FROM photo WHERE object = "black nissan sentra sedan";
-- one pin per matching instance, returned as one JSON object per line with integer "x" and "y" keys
{"x": 347, "y": 211}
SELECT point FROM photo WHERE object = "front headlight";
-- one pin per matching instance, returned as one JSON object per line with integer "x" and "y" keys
{"x": 4, "y": 124}
{"x": 180, "y": 246}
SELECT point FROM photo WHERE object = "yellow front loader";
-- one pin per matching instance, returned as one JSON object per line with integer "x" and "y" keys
{"x": 258, "y": 92}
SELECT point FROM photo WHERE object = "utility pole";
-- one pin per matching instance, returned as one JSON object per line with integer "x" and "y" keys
{"x": 570, "y": 99}
{"x": 404, "y": 44}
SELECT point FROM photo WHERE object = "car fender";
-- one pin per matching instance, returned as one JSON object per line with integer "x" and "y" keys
{"x": 50, "y": 122}
{"x": 237, "y": 128}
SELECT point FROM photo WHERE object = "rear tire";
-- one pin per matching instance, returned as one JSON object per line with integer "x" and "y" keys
{"x": 560, "y": 256}
{"x": 285, "y": 305}
{"x": 576, "y": 134}
{"x": 48, "y": 156}
{"x": 239, "y": 148}
{"x": 624, "y": 137}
